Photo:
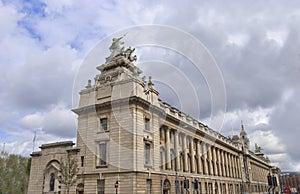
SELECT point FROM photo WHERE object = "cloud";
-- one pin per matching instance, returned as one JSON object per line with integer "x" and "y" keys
{"x": 256, "y": 46}
{"x": 59, "y": 121}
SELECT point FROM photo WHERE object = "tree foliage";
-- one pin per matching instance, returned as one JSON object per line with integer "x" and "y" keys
{"x": 13, "y": 174}
{"x": 68, "y": 172}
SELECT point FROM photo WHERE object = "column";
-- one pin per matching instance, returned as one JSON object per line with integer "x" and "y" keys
{"x": 235, "y": 166}
{"x": 185, "y": 165}
{"x": 204, "y": 154}
{"x": 177, "y": 159}
{"x": 192, "y": 155}
{"x": 229, "y": 164}
{"x": 167, "y": 145}
{"x": 209, "y": 157}
{"x": 238, "y": 167}
{"x": 219, "y": 161}
{"x": 198, "y": 147}
{"x": 223, "y": 163}
{"x": 215, "y": 161}
{"x": 226, "y": 164}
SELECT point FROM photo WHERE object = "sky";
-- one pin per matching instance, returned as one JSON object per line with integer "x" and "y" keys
{"x": 254, "y": 44}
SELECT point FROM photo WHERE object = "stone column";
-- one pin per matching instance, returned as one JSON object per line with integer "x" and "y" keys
{"x": 184, "y": 148}
{"x": 226, "y": 164}
{"x": 177, "y": 159}
{"x": 198, "y": 147}
{"x": 238, "y": 167}
{"x": 192, "y": 155}
{"x": 229, "y": 164}
{"x": 209, "y": 157}
{"x": 204, "y": 154}
{"x": 167, "y": 145}
{"x": 223, "y": 163}
{"x": 220, "y": 163}
{"x": 215, "y": 161}
{"x": 232, "y": 165}
{"x": 235, "y": 167}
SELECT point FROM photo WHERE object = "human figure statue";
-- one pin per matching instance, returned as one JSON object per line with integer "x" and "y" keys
{"x": 257, "y": 148}
{"x": 116, "y": 46}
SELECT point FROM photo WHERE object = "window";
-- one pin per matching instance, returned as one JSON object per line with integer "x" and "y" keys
{"x": 147, "y": 124}
{"x": 149, "y": 184}
{"x": 102, "y": 154}
{"x": 103, "y": 125}
{"x": 161, "y": 159}
{"x": 147, "y": 154}
{"x": 101, "y": 186}
{"x": 52, "y": 182}
{"x": 82, "y": 161}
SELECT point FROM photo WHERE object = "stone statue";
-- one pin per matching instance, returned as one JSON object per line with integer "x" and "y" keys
{"x": 257, "y": 149}
{"x": 118, "y": 51}
{"x": 116, "y": 46}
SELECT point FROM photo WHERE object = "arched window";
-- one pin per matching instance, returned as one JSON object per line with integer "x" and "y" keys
{"x": 52, "y": 182}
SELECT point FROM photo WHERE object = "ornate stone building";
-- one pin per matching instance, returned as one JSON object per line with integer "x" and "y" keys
{"x": 128, "y": 141}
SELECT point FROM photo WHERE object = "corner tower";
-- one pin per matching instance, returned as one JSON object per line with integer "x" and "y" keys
{"x": 116, "y": 122}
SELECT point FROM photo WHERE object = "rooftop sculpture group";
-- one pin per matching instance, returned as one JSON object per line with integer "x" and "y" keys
{"x": 117, "y": 49}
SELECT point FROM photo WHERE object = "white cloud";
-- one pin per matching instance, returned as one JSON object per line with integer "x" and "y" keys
{"x": 32, "y": 121}
{"x": 58, "y": 121}
{"x": 268, "y": 141}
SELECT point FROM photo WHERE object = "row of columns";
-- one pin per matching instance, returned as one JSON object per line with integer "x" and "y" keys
{"x": 203, "y": 157}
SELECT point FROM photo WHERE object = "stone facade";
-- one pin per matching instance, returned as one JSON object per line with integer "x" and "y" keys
{"x": 128, "y": 138}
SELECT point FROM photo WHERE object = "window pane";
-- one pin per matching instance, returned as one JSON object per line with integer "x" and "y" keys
{"x": 103, "y": 124}
{"x": 102, "y": 154}
{"x": 147, "y": 154}
{"x": 52, "y": 182}
{"x": 101, "y": 186}
{"x": 82, "y": 161}
{"x": 147, "y": 124}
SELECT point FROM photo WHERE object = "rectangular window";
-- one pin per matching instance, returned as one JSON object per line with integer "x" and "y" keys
{"x": 147, "y": 154}
{"x": 100, "y": 186}
{"x": 149, "y": 185}
{"x": 103, "y": 124}
{"x": 147, "y": 124}
{"x": 102, "y": 154}
{"x": 82, "y": 161}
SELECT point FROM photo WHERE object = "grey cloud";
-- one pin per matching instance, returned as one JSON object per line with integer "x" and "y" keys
{"x": 257, "y": 73}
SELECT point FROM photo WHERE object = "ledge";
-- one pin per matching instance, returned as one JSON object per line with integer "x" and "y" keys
{"x": 57, "y": 144}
